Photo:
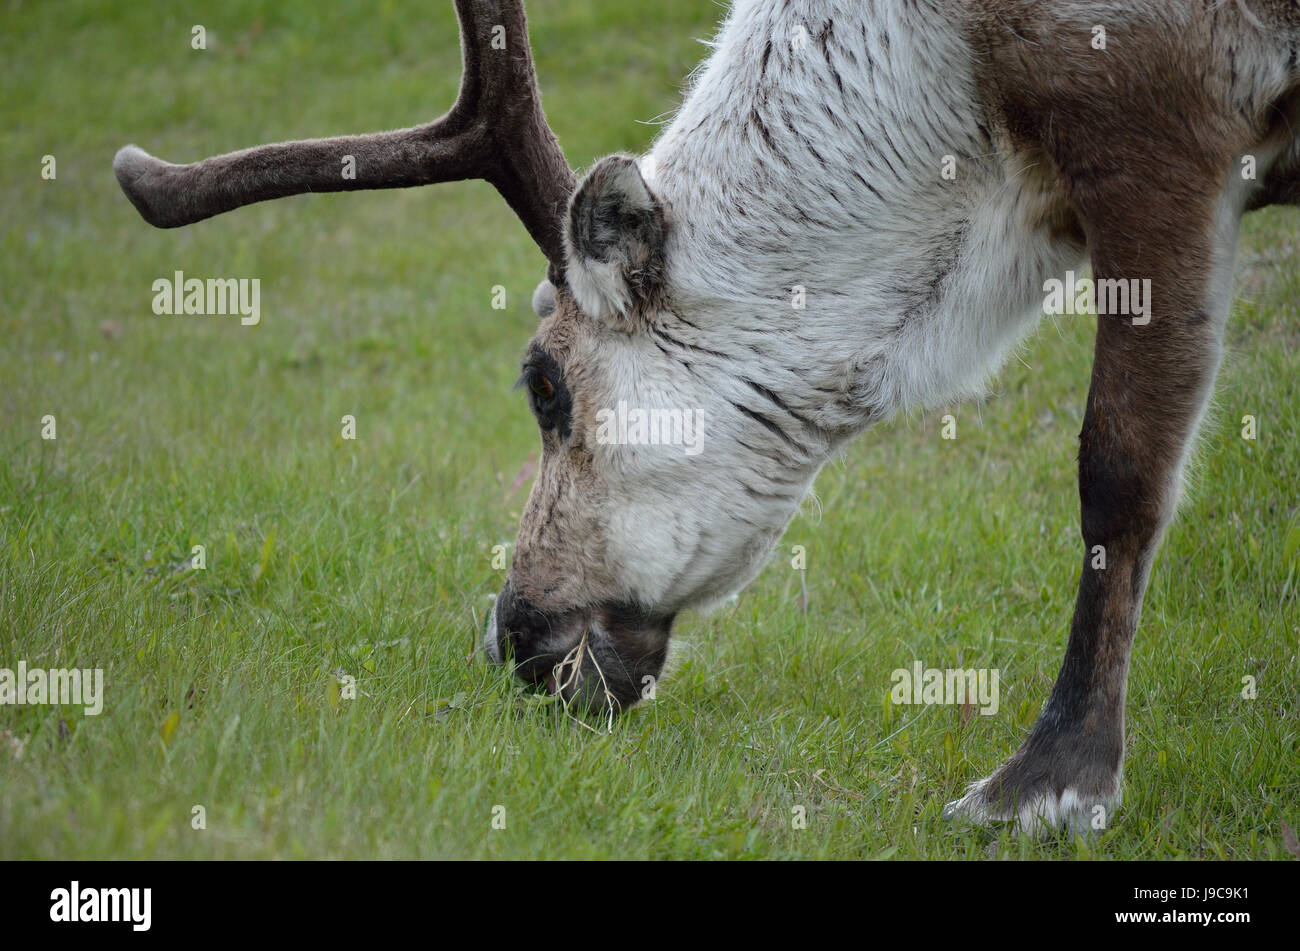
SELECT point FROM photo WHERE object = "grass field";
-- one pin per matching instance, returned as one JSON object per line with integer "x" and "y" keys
{"x": 372, "y": 558}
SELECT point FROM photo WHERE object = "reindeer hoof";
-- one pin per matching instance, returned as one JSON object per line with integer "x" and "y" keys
{"x": 1035, "y": 809}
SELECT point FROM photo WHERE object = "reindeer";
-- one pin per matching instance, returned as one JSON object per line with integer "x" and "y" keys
{"x": 807, "y": 158}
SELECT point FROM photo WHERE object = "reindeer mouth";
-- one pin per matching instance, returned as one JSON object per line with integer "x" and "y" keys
{"x": 602, "y": 659}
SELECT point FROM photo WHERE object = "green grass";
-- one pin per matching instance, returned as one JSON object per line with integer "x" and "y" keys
{"x": 372, "y": 558}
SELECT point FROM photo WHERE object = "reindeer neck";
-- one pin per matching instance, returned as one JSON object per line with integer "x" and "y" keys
{"x": 826, "y": 206}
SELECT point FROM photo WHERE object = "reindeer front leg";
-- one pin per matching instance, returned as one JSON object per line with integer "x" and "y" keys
{"x": 1150, "y": 383}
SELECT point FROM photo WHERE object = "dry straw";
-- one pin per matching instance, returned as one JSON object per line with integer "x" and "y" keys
{"x": 568, "y": 673}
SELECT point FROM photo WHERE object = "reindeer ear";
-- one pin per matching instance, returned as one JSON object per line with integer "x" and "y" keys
{"x": 614, "y": 242}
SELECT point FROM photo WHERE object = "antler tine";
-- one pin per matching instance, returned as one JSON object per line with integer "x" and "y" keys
{"x": 496, "y": 131}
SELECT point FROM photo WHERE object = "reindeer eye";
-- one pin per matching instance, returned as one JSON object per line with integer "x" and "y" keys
{"x": 548, "y": 397}
{"x": 541, "y": 386}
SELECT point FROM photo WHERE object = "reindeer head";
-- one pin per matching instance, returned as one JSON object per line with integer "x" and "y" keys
{"x": 657, "y": 489}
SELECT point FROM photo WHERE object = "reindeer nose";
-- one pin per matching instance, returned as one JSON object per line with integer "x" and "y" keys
{"x": 604, "y": 658}
{"x": 496, "y": 639}
{"x": 515, "y": 626}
